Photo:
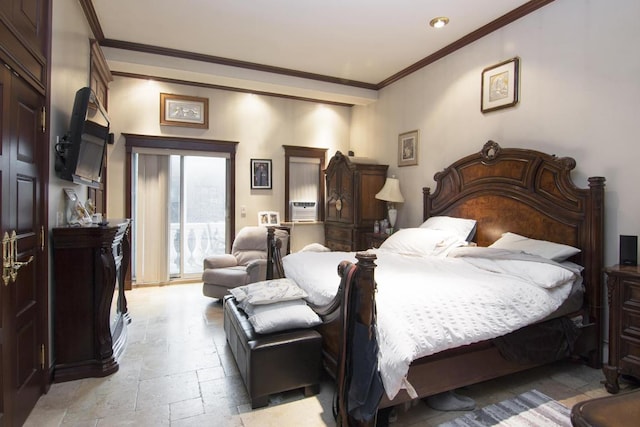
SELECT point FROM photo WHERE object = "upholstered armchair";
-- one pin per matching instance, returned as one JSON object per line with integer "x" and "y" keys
{"x": 247, "y": 262}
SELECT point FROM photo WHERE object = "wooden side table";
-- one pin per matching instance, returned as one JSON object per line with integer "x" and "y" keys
{"x": 374, "y": 240}
{"x": 623, "y": 292}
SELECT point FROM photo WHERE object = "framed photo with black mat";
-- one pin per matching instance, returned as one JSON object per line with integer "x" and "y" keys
{"x": 260, "y": 174}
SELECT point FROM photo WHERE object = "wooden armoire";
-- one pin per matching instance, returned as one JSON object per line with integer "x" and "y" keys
{"x": 352, "y": 208}
{"x": 25, "y": 46}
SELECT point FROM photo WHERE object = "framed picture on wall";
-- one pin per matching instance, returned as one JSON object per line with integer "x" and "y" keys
{"x": 181, "y": 110}
{"x": 500, "y": 85}
{"x": 408, "y": 148}
{"x": 260, "y": 174}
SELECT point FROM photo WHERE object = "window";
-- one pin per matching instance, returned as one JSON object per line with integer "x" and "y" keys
{"x": 304, "y": 177}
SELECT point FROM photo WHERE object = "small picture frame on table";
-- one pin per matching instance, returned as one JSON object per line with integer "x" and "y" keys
{"x": 267, "y": 218}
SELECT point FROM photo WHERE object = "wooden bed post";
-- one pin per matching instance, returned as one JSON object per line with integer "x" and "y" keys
{"x": 367, "y": 286}
{"x": 270, "y": 252}
{"x": 357, "y": 280}
{"x": 595, "y": 259}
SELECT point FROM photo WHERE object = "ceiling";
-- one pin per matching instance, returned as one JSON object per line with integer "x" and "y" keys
{"x": 337, "y": 50}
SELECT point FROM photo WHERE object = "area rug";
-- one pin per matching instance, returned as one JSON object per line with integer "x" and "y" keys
{"x": 527, "y": 409}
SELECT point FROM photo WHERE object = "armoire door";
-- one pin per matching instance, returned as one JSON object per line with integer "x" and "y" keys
{"x": 23, "y": 291}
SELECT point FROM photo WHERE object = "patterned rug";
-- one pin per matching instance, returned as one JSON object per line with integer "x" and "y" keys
{"x": 528, "y": 409}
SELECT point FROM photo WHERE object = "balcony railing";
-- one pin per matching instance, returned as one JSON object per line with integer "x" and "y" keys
{"x": 201, "y": 240}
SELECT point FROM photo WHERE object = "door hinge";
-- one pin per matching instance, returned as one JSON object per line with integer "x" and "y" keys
{"x": 42, "y": 356}
{"x": 42, "y": 238}
{"x": 43, "y": 119}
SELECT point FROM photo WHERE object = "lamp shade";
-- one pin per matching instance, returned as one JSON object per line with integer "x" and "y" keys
{"x": 390, "y": 191}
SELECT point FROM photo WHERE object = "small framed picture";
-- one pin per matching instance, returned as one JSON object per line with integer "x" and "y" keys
{"x": 500, "y": 84}
{"x": 260, "y": 174}
{"x": 408, "y": 148}
{"x": 180, "y": 110}
{"x": 267, "y": 218}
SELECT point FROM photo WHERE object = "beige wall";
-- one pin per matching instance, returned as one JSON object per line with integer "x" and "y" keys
{"x": 261, "y": 125}
{"x": 69, "y": 72}
{"x": 580, "y": 97}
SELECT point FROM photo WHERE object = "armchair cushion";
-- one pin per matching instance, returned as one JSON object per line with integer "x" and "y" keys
{"x": 220, "y": 261}
{"x": 229, "y": 277}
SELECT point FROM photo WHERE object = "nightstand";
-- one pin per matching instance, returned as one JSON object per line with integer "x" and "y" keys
{"x": 374, "y": 240}
{"x": 623, "y": 292}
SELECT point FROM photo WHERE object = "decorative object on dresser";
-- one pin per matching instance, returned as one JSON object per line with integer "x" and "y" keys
{"x": 628, "y": 250}
{"x": 90, "y": 307}
{"x": 391, "y": 193}
{"x": 352, "y": 208}
{"x": 623, "y": 291}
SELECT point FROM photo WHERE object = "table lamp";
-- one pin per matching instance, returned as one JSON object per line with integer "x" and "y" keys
{"x": 391, "y": 193}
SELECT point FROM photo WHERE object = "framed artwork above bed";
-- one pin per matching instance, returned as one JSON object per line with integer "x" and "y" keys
{"x": 500, "y": 85}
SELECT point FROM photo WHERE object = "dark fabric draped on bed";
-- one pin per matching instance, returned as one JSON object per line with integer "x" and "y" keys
{"x": 540, "y": 343}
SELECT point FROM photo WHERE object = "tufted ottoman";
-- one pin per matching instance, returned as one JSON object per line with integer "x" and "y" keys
{"x": 275, "y": 362}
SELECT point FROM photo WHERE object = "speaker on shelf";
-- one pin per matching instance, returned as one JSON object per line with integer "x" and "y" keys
{"x": 628, "y": 250}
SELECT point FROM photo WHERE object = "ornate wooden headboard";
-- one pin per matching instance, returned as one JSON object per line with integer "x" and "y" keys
{"x": 529, "y": 193}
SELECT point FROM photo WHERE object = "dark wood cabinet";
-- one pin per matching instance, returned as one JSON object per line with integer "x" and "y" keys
{"x": 352, "y": 208}
{"x": 623, "y": 291}
{"x": 24, "y": 31}
{"x": 90, "y": 307}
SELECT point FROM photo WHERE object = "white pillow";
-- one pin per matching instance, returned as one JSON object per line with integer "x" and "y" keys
{"x": 268, "y": 292}
{"x": 281, "y": 316}
{"x": 463, "y": 228}
{"x": 315, "y": 247}
{"x": 421, "y": 242}
{"x": 553, "y": 251}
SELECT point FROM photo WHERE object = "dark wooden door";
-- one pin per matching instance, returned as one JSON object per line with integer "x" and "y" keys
{"x": 23, "y": 292}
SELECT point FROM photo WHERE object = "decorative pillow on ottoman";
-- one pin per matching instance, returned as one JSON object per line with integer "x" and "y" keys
{"x": 275, "y": 305}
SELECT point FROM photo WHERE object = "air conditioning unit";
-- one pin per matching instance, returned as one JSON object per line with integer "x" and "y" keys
{"x": 304, "y": 211}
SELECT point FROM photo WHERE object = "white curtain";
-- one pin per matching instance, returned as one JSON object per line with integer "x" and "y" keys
{"x": 151, "y": 207}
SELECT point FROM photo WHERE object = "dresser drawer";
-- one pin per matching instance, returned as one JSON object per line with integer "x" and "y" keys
{"x": 339, "y": 233}
{"x": 631, "y": 323}
{"x": 336, "y": 245}
{"x": 631, "y": 294}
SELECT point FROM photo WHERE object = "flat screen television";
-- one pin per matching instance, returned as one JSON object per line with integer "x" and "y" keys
{"x": 80, "y": 154}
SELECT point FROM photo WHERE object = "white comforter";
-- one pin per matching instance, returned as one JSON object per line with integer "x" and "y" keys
{"x": 430, "y": 304}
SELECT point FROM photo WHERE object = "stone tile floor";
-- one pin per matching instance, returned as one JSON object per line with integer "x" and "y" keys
{"x": 178, "y": 371}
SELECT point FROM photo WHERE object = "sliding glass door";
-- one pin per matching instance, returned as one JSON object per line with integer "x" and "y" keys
{"x": 197, "y": 212}
{"x": 181, "y": 212}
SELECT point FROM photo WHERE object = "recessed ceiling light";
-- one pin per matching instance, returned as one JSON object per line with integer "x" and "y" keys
{"x": 439, "y": 22}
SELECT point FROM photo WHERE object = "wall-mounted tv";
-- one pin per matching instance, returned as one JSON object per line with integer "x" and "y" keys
{"x": 80, "y": 153}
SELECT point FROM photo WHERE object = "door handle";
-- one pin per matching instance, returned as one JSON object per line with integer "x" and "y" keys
{"x": 10, "y": 266}
{"x": 16, "y": 264}
{"x": 7, "y": 258}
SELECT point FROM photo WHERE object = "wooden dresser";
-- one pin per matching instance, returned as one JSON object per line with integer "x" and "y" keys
{"x": 623, "y": 291}
{"x": 89, "y": 303}
{"x": 351, "y": 204}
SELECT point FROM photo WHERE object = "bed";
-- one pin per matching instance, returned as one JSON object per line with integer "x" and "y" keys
{"x": 504, "y": 190}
